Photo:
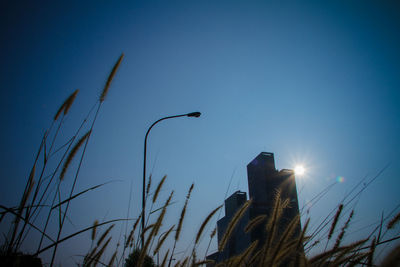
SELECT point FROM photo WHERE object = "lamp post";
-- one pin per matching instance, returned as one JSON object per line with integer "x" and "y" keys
{"x": 192, "y": 114}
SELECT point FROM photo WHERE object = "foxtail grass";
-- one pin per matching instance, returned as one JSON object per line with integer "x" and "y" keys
{"x": 162, "y": 240}
{"x": 371, "y": 252}
{"x": 110, "y": 78}
{"x": 254, "y": 222}
{"x": 232, "y": 224}
{"x": 73, "y": 153}
{"x": 93, "y": 236}
{"x": 158, "y": 189}
{"x": 281, "y": 245}
{"x": 66, "y": 105}
{"x": 286, "y": 235}
{"x": 154, "y": 231}
{"x": 393, "y": 221}
{"x": 245, "y": 255}
{"x": 272, "y": 225}
{"x": 97, "y": 256}
{"x": 205, "y": 222}
{"x": 104, "y": 235}
{"x": 183, "y": 213}
{"x": 164, "y": 261}
{"x": 113, "y": 258}
{"x": 148, "y": 186}
{"x": 341, "y": 234}
{"x": 335, "y": 220}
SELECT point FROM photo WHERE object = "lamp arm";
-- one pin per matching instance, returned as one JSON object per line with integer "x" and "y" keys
{"x": 144, "y": 171}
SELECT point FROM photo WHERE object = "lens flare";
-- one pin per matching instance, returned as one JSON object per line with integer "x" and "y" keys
{"x": 340, "y": 179}
{"x": 299, "y": 170}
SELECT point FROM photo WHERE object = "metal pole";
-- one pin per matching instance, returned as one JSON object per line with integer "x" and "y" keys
{"x": 193, "y": 114}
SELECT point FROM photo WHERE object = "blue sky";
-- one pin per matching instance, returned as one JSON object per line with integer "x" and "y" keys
{"x": 315, "y": 83}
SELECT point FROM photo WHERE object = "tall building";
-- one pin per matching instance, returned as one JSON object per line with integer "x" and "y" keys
{"x": 239, "y": 239}
{"x": 263, "y": 180}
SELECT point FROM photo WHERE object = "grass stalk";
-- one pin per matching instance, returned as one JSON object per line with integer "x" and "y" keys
{"x": 101, "y": 100}
{"x": 183, "y": 212}
{"x": 205, "y": 222}
{"x": 232, "y": 224}
{"x": 56, "y": 242}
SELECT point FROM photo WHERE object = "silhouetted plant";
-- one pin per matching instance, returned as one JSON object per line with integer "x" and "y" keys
{"x": 281, "y": 246}
{"x": 34, "y": 199}
{"x": 133, "y": 260}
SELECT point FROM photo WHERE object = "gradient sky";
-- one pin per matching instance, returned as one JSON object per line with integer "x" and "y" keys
{"x": 316, "y": 83}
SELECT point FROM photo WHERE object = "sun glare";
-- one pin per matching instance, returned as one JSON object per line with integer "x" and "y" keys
{"x": 299, "y": 170}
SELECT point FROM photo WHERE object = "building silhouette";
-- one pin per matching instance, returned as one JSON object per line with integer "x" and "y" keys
{"x": 263, "y": 180}
{"x": 239, "y": 240}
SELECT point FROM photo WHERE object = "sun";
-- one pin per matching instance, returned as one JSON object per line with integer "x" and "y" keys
{"x": 299, "y": 170}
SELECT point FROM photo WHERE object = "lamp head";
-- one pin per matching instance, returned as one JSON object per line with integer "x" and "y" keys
{"x": 194, "y": 114}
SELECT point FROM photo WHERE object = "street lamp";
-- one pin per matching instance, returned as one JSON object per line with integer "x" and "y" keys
{"x": 192, "y": 114}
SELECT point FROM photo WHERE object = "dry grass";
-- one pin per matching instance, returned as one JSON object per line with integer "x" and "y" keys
{"x": 232, "y": 224}
{"x": 393, "y": 221}
{"x": 158, "y": 189}
{"x": 73, "y": 153}
{"x": 254, "y": 222}
{"x": 66, "y": 105}
{"x": 183, "y": 212}
{"x": 335, "y": 220}
{"x": 205, "y": 222}
{"x": 110, "y": 78}
{"x": 41, "y": 196}
{"x": 280, "y": 247}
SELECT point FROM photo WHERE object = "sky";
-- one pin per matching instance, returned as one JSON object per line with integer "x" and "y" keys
{"x": 316, "y": 83}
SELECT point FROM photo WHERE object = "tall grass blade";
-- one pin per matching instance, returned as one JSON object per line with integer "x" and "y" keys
{"x": 205, "y": 222}
{"x": 106, "y": 232}
{"x": 27, "y": 222}
{"x": 330, "y": 253}
{"x": 342, "y": 232}
{"x": 183, "y": 212}
{"x": 164, "y": 261}
{"x": 287, "y": 234}
{"x": 69, "y": 101}
{"x": 232, "y": 224}
{"x": 110, "y": 78}
{"x": 98, "y": 255}
{"x": 148, "y": 186}
{"x": 72, "y": 154}
{"x": 159, "y": 186}
{"x": 113, "y": 257}
{"x": 66, "y": 105}
{"x": 371, "y": 252}
{"x": 162, "y": 240}
{"x": 78, "y": 194}
{"x": 24, "y": 199}
{"x": 393, "y": 221}
{"x": 272, "y": 225}
{"x": 74, "y": 234}
{"x": 154, "y": 231}
{"x": 335, "y": 220}
{"x": 254, "y": 222}
{"x": 299, "y": 245}
{"x": 243, "y": 257}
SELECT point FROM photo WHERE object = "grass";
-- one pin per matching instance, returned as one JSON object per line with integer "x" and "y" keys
{"x": 39, "y": 188}
{"x": 42, "y": 198}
